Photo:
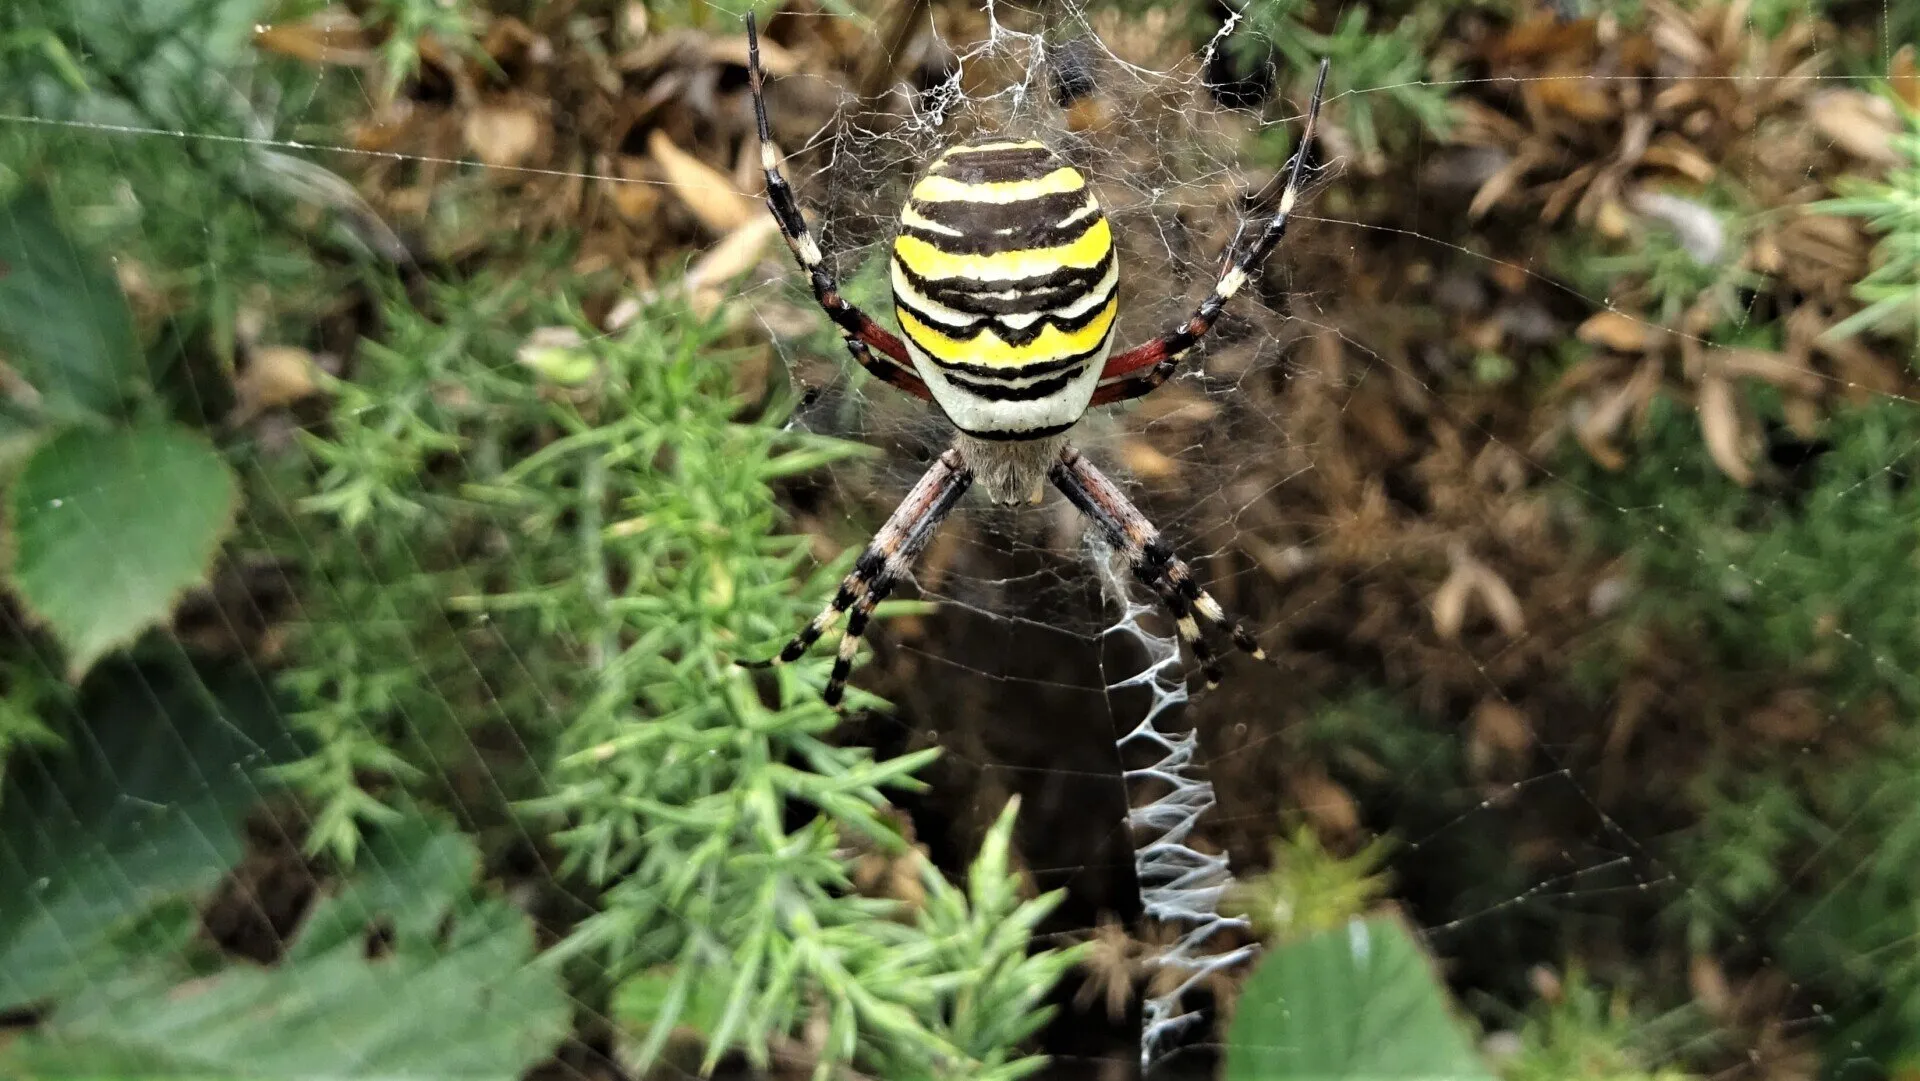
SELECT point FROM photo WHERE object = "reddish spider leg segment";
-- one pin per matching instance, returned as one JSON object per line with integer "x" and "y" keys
{"x": 1142, "y": 368}
{"x": 1152, "y": 561}
{"x": 857, "y": 329}
{"x": 888, "y": 558}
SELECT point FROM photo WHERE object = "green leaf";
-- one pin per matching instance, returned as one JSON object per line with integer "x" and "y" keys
{"x": 1355, "y": 1004}
{"x": 460, "y": 1002}
{"x": 64, "y": 325}
{"x": 143, "y": 808}
{"x": 110, "y": 527}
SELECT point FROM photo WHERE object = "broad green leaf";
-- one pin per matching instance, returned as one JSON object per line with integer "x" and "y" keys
{"x": 1359, "y": 1003}
{"x": 64, "y": 325}
{"x": 463, "y": 1002}
{"x": 109, "y": 527}
{"x": 142, "y": 806}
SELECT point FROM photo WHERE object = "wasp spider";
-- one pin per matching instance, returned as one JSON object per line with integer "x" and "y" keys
{"x": 1004, "y": 280}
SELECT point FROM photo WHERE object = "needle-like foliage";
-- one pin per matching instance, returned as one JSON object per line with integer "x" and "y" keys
{"x": 1891, "y": 206}
{"x": 559, "y": 541}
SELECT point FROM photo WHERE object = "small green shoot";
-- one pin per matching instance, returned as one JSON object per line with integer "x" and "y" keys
{"x": 1309, "y": 889}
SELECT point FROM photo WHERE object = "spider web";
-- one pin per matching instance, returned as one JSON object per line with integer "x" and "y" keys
{"x": 1169, "y": 163}
{"x": 1039, "y": 662}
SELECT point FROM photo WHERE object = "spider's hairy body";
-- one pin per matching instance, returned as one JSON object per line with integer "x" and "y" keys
{"x": 1004, "y": 281}
{"x": 1004, "y": 276}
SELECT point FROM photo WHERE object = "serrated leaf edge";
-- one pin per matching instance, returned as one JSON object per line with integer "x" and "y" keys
{"x": 78, "y": 665}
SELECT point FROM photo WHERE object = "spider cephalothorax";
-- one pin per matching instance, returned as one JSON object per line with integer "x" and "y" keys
{"x": 1004, "y": 280}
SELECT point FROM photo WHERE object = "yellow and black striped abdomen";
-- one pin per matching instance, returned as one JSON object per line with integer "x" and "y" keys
{"x": 1004, "y": 277}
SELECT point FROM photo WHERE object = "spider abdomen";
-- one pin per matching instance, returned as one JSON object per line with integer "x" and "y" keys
{"x": 1004, "y": 275}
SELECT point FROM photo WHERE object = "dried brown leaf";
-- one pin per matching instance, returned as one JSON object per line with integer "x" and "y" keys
{"x": 1903, "y": 76}
{"x": 1091, "y": 114}
{"x": 1595, "y": 443}
{"x": 1611, "y": 220}
{"x": 1711, "y": 991}
{"x": 1175, "y": 407}
{"x": 634, "y": 20}
{"x": 1478, "y": 124}
{"x": 736, "y": 253}
{"x": 1503, "y": 181}
{"x": 1720, "y": 426}
{"x": 748, "y": 176}
{"x": 1637, "y": 53}
{"x": 1485, "y": 335}
{"x": 1576, "y": 95}
{"x": 1502, "y": 603}
{"x": 636, "y": 194}
{"x": 1862, "y": 372}
{"x": 325, "y": 37}
{"x": 1143, "y": 460}
{"x": 1450, "y": 601}
{"x": 1680, "y": 98}
{"x": 706, "y": 191}
{"x": 1374, "y": 415}
{"x": 1562, "y": 194}
{"x": 1109, "y": 965}
{"x": 1791, "y": 715}
{"x": 1764, "y": 253}
{"x": 1777, "y": 368}
{"x": 1545, "y": 35}
{"x": 1804, "y": 417}
{"x": 1547, "y": 984}
{"x": 503, "y": 134}
{"x": 1499, "y": 737}
{"x": 508, "y": 39}
{"x": 1672, "y": 151}
{"x": 275, "y": 376}
{"x": 1595, "y": 431}
{"x": 1331, "y": 809}
{"x": 1675, "y": 35}
{"x": 1859, "y": 123}
{"x": 774, "y": 57}
{"x": 1620, "y": 332}
{"x": 1500, "y": 467}
{"x": 1833, "y": 242}
{"x": 1512, "y": 278}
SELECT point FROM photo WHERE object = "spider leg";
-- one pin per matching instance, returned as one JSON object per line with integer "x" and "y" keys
{"x": 888, "y": 557}
{"x": 1145, "y": 367}
{"x": 1153, "y": 562}
{"x": 860, "y": 332}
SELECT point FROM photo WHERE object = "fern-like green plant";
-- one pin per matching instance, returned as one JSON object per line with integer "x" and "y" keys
{"x": 1389, "y": 88}
{"x": 1583, "y": 1032}
{"x": 407, "y": 27}
{"x": 1891, "y": 290}
{"x": 1382, "y": 87}
{"x": 210, "y": 221}
{"x": 1769, "y": 581}
{"x": 1788, "y": 589}
{"x": 1661, "y": 273}
{"x": 523, "y": 525}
